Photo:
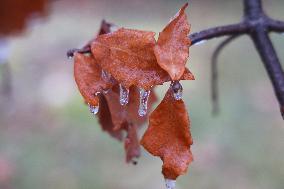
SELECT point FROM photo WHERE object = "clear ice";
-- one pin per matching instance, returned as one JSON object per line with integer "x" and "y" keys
{"x": 106, "y": 76}
{"x": 94, "y": 109}
{"x": 170, "y": 184}
{"x": 177, "y": 90}
{"x": 123, "y": 95}
{"x": 144, "y": 96}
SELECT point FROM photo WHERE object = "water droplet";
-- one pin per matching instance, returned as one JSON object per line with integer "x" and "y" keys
{"x": 170, "y": 184}
{"x": 177, "y": 90}
{"x": 94, "y": 109}
{"x": 123, "y": 95}
{"x": 113, "y": 28}
{"x": 105, "y": 75}
{"x": 105, "y": 91}
{"x": 144, "y": 96}
{"x": 200, "y": 42}
{"x": 70, "y": 53}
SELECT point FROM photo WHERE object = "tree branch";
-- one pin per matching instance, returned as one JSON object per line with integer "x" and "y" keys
{"x": 276, "y": 26}
{"x": 272, "y": 64}
{"x": 214, "y": 73}
{"x": 234, "y": 29}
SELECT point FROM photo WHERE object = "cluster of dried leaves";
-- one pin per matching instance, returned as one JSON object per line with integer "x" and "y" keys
{"x": 135, "y": 60}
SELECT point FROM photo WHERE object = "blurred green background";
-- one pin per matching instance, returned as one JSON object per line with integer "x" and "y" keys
{"x": 48, "y": 138}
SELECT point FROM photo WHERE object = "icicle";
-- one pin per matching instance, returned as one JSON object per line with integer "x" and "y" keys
{"x": 177, "y": 90}
{"x": 170, "y": 184}
{"x": 94, "y": 109}
{"x": 123, "y": 95}
{"x": 200, "y": 42}
{"x": 105, "y": 75}
{"x": 144, "y": 96}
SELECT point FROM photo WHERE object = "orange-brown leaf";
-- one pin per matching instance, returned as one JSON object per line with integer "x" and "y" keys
{"x": 105, "y": 119}
{"x": 129, "y": 57}
{"x": 168, "y": 136}
{"x": 131, "y": 143}
{"x": 88, "y": 78}
{"x": 172, "y": 46}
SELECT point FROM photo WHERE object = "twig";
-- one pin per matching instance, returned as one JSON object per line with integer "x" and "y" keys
{"x": 257, "y": 25}
{"x": 272, "y": 64}
{"x": 214, "y": 73}
{"x": 234, "y": 29}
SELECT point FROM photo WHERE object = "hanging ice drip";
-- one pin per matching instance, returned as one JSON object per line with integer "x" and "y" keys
{"x": 177, "y": 90}
{"x": 123, "y": 95}
{"x": 94, "y": 109}
{"x": 143, "y": 99}
{"x": 170, "y": 184}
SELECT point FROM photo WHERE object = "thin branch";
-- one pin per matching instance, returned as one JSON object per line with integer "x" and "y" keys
{"x": 253, "y": 9}
{"x": 272, "y": 64}
{"x": 214, "y": 73}
{"x": 85, "y": 50}
{"x": 276, "y": 26}
{"x": 234, "y": 29}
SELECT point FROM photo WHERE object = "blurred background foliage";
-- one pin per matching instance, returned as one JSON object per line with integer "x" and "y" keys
{"x": 48, "y": 139}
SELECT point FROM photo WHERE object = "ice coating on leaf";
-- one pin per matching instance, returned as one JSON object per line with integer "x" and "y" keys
{"x": 106, "y": 76}
{"x": 170, "y": 184}
{"x": 168, "y": 136}
{"x": 94, "y": 109}
{"x": 143, "y": 99}
{"x": 88, "y": 78}
{"x": 172, "y": 48}
{"x": 129, "y": 57}
{"x": 177, "y": 90}
{"x": 123, "y": 95}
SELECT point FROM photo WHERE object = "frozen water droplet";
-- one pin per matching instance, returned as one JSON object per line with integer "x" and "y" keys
{"x": 200, "y": 42}
{"x": 123, "y": 95}
{"x": 105, "y": 75}
{"x": 70, "y": 53}
{"x": 177, "y": 90}
{"x": 113, "y": 28}
{"x": 105, "y": 91}
{"x": 144, "y": 96}
{"x": 170, "y": 184}
{"x": 94, "y": 109}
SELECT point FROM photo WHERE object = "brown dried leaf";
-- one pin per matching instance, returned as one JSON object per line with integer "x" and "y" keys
{"x": 129, "y": 57}
{"x": 88, "y": 78}
{"x": 168, "y": 136}
{"x": 105, "y": 119}
{"x": 172, "y": 46}
{"x": 131, "y": 143}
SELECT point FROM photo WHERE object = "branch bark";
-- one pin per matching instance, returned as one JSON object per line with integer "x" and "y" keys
{"x": 271, "y": 62}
